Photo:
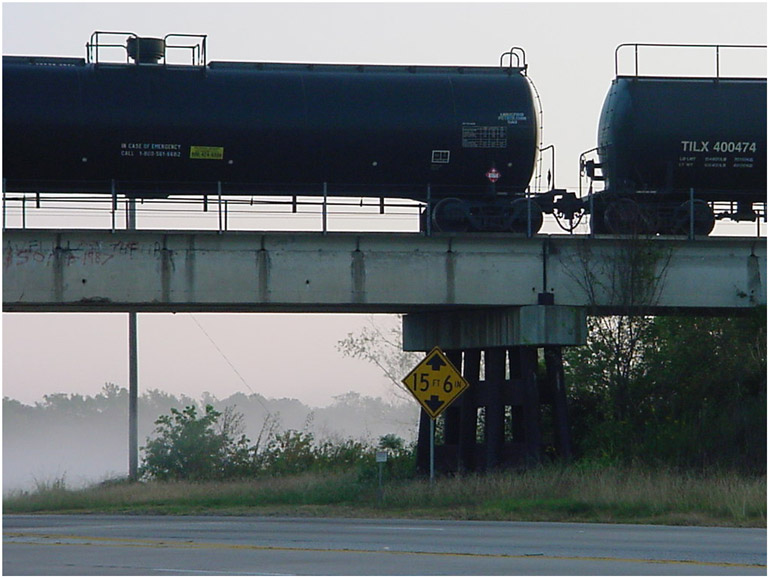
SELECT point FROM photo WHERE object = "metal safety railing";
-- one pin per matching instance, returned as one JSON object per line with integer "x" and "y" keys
{"x": 717, "y": 48}
{"x": 218, "y": 212}
{"x": 106, "y": 40}
{"x": 223, "y": 213}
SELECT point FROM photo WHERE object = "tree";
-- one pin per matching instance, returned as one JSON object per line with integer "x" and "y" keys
{"x": 628, "y": 278}
{"x": 705, "y": 391}
{"x": 382, "y": 347}
{"x": 696, "y": 396}
{"x": 192, "y": 447}
{"x": 682, "y": 391}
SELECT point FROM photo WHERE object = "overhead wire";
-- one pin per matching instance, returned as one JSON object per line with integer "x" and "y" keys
{"x": 229, "y": 363}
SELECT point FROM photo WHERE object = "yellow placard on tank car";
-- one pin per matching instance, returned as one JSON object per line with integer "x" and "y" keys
{"x": 216, "y": 153}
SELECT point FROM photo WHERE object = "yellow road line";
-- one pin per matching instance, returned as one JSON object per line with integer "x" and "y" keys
{"x": 62, "y": 540}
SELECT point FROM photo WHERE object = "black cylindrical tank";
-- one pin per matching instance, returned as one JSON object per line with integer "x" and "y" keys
{"x": 667, "y": 135}
{"x": 265, "y": 128}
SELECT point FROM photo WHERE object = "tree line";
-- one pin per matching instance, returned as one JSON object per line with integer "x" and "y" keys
{"x": 687, "y": 392}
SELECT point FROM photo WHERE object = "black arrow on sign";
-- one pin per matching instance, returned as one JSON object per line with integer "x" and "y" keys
{"x": 434, "y": 403}
{"x": 436, "y": 362}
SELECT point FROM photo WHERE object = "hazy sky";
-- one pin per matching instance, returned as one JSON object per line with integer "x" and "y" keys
{"x": 570, "y": 52}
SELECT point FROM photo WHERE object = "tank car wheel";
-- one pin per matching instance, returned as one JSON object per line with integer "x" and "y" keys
{"x": 451, "y": 215}
{"x": 526, "y": 216}
{"x": 703, "y": 218}
{"x": 625, "y": 216}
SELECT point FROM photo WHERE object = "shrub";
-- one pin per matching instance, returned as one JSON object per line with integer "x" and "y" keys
{"x": 212, "y": 447}
{"x": 189, "y": 447}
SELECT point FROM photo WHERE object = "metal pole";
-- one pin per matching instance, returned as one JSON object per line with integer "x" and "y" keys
{"x": 4, "y": 200}
{"x": 133, "y": 374}
{"x": 219, "y": 204}
{"x": 114, "y": 203}
{"x": 131, "y": 215}
{"x": 432, "y": 450}
{"x": 380, "y": 494}
{"x": 636, "y": 60}
{"x": 529, "y": 216}
{"x": 133, "y": 388}
{"x": 323, "y": 210}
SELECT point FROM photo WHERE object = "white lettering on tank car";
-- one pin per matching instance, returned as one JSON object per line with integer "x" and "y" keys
{"x": 695, "y": 146}
{"x": 493, "y": 137}
{"x": 719, "y": 147}
{"x": 512, "y": 118}
{"x": 150, "y": 149}
{"x": 735, "y": 147}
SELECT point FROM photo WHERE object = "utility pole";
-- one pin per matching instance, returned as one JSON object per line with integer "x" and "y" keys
{"x": 133, "y": 373}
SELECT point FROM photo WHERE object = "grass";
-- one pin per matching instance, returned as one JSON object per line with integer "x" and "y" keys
{"x": 609, "y": 494}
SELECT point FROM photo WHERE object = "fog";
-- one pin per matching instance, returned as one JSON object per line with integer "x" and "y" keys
{"x": 81, "y": 440}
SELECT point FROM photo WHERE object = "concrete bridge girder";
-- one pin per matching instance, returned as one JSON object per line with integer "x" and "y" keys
{"x": 94, "y": 270}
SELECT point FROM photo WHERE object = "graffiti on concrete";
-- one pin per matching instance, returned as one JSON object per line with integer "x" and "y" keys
{"x": 86, "y": 253}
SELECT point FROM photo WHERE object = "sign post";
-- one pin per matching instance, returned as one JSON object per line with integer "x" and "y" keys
{"x": 432, "y": 450}
{"x": 435, "y": 383}
{"x": 381, "y": 457}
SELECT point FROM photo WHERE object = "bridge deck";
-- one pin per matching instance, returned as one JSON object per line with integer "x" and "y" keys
{"x": 154, "y": 271}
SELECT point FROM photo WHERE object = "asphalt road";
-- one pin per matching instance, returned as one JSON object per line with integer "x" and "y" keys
{"x": 214, "y": 545}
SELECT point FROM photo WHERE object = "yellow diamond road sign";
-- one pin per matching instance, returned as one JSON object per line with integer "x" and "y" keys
{"x": 435, "y": 382}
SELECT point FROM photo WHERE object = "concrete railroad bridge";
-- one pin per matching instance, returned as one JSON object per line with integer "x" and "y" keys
{"x": 501, "y": 294}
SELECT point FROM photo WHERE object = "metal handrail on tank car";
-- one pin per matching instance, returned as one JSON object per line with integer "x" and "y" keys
{"x": 716, "y": 47}
{"x": 521, "y": 59}
{"x": 198, "y": 50}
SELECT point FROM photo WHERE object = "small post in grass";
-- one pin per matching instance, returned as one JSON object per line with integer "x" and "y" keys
{"x": 381, "y": 457}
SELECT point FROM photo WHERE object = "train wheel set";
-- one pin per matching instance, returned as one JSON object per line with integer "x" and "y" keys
{"x": 520, "y": 215}
{"x": 626, "y": 216}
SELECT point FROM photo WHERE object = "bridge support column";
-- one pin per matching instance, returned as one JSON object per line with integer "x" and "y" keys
{"x": 466, "y": 444}
{"x": 494, "y": 410}
{"x": 530, "y": 407}
{"x": 496, "y": 422}
{"x": 554, "y": 367}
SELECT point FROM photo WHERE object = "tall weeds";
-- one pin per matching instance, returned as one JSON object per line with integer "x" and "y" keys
{"x": 552, "y": 493}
